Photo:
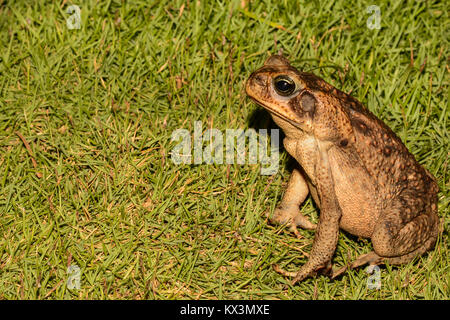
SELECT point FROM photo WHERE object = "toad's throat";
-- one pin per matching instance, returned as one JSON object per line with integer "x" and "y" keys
{"x": 277, "y": 113}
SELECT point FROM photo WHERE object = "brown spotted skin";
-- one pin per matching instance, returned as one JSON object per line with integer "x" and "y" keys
{"x": 359, "y": 173}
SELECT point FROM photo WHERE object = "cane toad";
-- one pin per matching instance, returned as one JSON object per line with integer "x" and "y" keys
{"x": 359, "y": 173}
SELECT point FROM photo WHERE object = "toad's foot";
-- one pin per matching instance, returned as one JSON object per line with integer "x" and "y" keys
{"x": 291, "y": 215}
{"x": 288, "y": 211}
{"x": 300, "y": 275}
{"x": 370, "y": 258}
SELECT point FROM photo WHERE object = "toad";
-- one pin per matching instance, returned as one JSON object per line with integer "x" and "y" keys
{"x": 358, "y": 172}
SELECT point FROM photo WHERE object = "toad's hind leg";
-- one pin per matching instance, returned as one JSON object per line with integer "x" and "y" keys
{"x": 399, "y": 242}
{"x": 372, "y": 258}
{"x": 397, "y": 246}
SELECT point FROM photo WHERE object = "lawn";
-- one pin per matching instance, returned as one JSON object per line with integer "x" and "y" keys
{"x": 88, "y": 187}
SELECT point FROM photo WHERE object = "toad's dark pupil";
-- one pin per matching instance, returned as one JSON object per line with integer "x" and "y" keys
{"x": 284, "y": 86}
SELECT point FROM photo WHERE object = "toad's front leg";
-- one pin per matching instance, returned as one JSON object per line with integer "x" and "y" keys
{"x": 288, "y": 211}
{"x": 327, "y": 232}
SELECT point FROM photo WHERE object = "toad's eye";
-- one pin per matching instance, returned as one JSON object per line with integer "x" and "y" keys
{"x": 284, "y": 85}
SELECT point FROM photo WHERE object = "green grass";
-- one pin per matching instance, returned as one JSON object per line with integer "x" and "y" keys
{"x": 98, "y": 105}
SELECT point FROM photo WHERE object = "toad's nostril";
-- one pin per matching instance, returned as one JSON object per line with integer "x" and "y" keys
{"x": 259, "y": 80}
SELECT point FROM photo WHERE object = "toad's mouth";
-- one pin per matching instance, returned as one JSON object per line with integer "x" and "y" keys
{"x": 277, "y": 113}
